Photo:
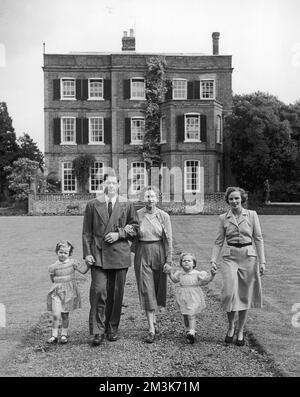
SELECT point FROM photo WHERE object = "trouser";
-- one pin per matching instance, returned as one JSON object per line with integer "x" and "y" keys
{"x": 106, "y": 296}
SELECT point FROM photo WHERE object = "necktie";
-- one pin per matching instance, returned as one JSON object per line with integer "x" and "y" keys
{"x": 109, "y": 208}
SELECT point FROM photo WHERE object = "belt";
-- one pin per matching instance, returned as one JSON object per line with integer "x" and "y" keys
{"x": 238, "y": 245}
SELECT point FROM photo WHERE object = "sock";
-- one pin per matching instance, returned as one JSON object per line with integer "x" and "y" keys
{"x": 55, "y": 332}
{"x": 64, "y": 331}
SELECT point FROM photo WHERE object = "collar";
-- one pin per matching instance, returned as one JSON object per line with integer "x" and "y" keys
{"x": 243, "y": 213}
{"x": 113, "y": 199}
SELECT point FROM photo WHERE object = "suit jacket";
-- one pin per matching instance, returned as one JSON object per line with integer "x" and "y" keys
{"x": 247, "y": 230}
{"x": 96, "y": 224}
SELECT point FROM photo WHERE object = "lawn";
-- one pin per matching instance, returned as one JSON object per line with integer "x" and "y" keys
{"x": 27, "y": 245}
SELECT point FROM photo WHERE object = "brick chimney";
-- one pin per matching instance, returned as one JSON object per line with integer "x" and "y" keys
{"x": 128, "y": 43}
{"x": 215, "y": 37}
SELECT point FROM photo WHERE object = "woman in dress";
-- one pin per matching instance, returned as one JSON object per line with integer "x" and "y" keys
{"x": 240, "y": 229}
{"x": 153, "y": 249}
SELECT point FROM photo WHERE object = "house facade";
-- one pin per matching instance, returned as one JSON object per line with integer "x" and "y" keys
{"x": 95, "y": 104}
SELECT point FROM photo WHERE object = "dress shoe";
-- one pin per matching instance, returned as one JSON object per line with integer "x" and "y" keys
{"x": 150, "y": 337}
{"x": 98, "y": 339}
{"x": 229, "y": 339}
{"x": 240, "y": 342}
{"x": 112, "y": 337}
{"x": 64, "y": 339}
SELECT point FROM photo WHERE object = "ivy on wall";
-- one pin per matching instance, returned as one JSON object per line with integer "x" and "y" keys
{"x": 81, "y": 167}
{"x": 156, "y": 88}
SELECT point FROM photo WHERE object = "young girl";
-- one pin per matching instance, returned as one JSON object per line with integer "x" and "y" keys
{"x": 189, "y": 296}
{"x": 64, "y": 294}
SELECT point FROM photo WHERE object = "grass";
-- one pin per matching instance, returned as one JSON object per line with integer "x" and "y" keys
{"x": 29, "y": 243}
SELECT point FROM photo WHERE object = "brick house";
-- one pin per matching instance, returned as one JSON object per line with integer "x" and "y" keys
{"x": 94, "y": 103}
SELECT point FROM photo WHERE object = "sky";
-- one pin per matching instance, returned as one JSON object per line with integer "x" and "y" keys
{"x": 263, "y": 37}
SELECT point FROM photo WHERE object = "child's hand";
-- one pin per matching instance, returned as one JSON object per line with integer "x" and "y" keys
{"x": 167, "y": 268}
{"x": 213, "y": 272}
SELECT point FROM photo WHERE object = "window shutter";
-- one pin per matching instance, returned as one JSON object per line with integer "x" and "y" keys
{"x": 203, "y": 128}
{"x": 180, "y": 128}
{"x": 78, "y": 89}
{"x": 78, "y": 131}
{"x": 56, "y": 89}
{"x": 107, "y": 131}
{"x": 107, "y": 89}
{"x": 190, "y": 90}
{"x": 127, "y": 93}
{"x": 127, "y": 130}
{"x": 85, "y": 131}
{"x": 196, "y": 84}
{"x": 169, "y": 92}
{"x": 56, "y": 131}
{"x": 85, "y": 90}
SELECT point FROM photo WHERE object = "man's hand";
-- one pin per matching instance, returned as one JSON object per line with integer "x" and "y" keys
{"x": 129, "y": 229}
{"x": 167, "y": 268}
{"x": 89, "y": 260}
{"x": 111, "y": 237}
{"x": 262, "y": 268}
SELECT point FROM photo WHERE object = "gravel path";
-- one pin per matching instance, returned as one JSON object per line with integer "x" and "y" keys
{"x": 169, "y": 356}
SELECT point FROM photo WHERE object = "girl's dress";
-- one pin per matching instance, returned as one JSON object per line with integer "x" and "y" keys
{"x": 64, "y": 284}
{"x": 189, "y": 295}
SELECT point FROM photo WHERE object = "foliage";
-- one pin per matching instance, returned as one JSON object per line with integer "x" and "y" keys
{"x": 81, "y": 167}
{"x": 22, "y": 177}
{"x": 53, "y": 183}
{"x": 29, "y": 149}
{"x": 8, "y": 145}
{"x": 156, "y": 88}
{"x": 262, "y": 140}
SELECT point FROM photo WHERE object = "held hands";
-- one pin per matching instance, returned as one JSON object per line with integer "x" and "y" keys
{"x": 129, "y": 229}
{"x": 262, "y": 269}
{"x": 167, "y": 268}
{"x": 111, "y": 237}
{"x": 213, "y": 272}
{"x": 89, "y": 260}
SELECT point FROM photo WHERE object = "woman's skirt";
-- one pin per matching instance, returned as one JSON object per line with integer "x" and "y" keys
{"x": 241, "y": 280}
{"x": 149, "y": 261}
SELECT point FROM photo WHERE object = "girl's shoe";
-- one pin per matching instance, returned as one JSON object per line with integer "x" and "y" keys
{"x": 240, "y": 342}
{"x": 52, "y": 340}
{"x": 64, "y": 339}
{"x": 190, "y": 337}
{"x": 150, "y": 337}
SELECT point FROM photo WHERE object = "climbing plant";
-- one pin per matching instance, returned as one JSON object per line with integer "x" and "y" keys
{"x": 156, "y": 88}
{"x": 81, "y": 167}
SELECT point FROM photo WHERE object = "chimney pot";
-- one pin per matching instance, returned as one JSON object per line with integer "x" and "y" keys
{"x": 131, "y": 33}
{"x": 215, "y": 37}
{"x": 128, "y": 42}
{"x": 124, "y": 33}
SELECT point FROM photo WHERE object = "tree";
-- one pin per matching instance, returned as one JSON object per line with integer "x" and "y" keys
{"x": 8, "y": 146}
{"x": 22, "y": 177}
{"x": 29, "y": 149}
{"x": 262, "y": 143}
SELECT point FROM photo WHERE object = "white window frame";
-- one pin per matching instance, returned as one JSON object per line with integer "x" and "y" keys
{"x": 140, "y": 163}
{"x": 134, "y": 141}
{"x": 143, "y": 97}
{"x": 186, "y": 116}
{"x": 163, "y": 139}
{"x": 214, "y": 89}
{"x": 91, "y": 142}
{"x": 95, "y": 98}
{"x": 63, "y": 178}
{"x": 101, "y": 176}
{"x": 69, "y": 97}
{"x": 197, "y": 190}
{"x": 219, "y": 130}
{"x": 178, "y": 97}
{"x": 62, "y": 141}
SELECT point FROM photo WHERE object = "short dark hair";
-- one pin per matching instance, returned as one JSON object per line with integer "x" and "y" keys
{"x": 230, "y": 189}
{"x": 64, "y": 243}
{"x": 183, "y": 254}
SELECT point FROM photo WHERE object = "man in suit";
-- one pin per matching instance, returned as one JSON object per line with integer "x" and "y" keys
{"x": 109, "y": 223}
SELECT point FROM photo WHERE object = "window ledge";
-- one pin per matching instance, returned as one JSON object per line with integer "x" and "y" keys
{"x": 137, "y": 99}
{"x": 96, "y": 143}
{"x": 162, "y": 142}
{"x": 95, "y": 99}
{"x": 68, "y": 99}
{"x": 68, "y": 143}
{"x": 136, "y": 143}
{"x": 192, "y": 141}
